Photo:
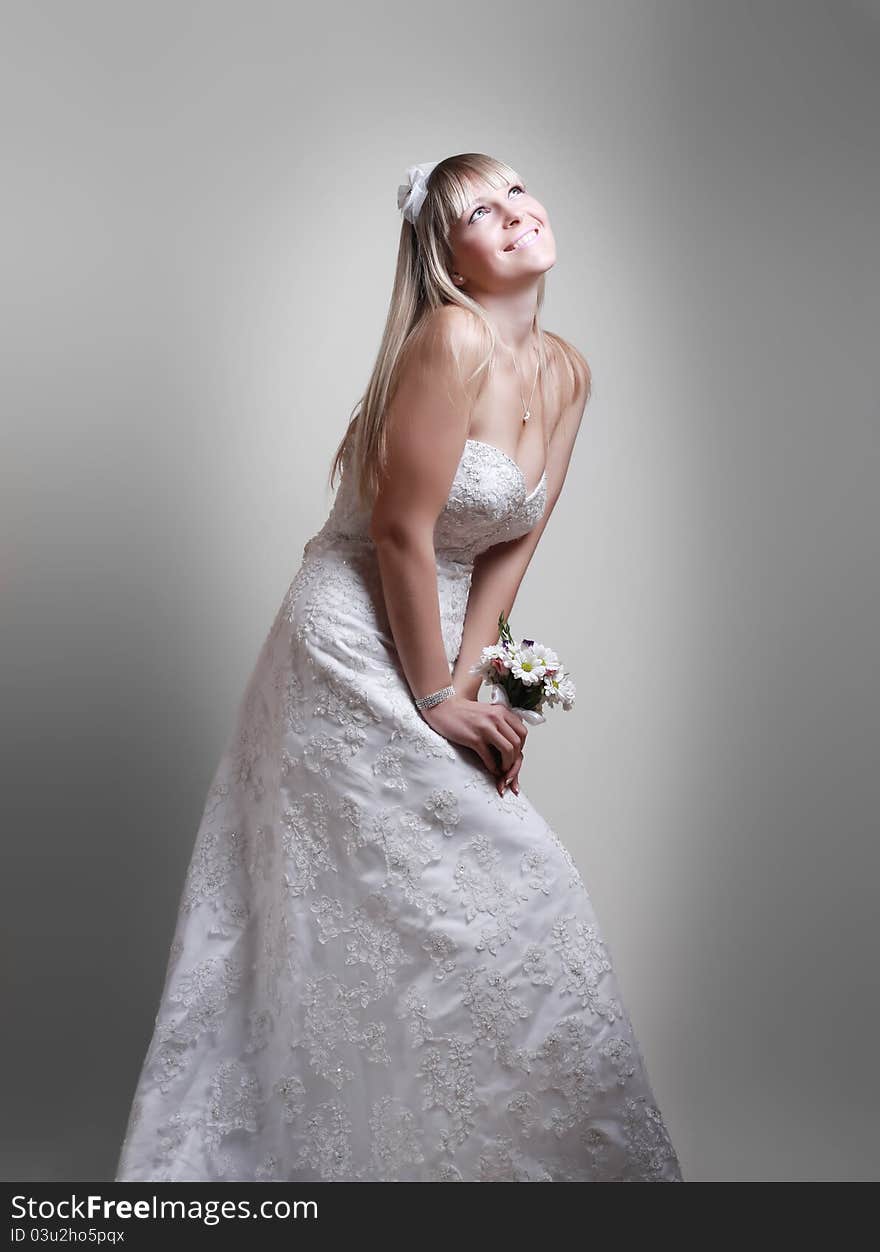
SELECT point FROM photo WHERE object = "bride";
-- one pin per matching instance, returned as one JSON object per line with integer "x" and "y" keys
{"x": 386, "y": 966}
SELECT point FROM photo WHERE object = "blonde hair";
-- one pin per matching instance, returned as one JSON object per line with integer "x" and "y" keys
{"x": 422, "y": 284}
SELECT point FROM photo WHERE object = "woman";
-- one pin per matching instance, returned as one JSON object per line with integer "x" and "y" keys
{"x": 386, "y": 966}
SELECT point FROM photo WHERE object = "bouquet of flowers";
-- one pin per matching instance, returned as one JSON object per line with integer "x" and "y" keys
{"x": 525, "y": 676}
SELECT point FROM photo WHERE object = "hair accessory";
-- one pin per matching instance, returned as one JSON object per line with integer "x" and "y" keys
{"x": 411, "y": 194}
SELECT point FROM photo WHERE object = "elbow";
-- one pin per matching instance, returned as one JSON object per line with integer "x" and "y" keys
{"x": 392, "y": 533}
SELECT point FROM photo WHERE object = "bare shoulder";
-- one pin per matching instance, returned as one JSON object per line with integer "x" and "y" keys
{"x": 447, "y": 348}
{"x": 425, "y": 427}
{"x": 455, "y": 319}
{"x": 450, "y": 331}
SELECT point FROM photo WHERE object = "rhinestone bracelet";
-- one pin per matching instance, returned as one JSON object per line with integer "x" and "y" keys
{"x": 427, "y": 702}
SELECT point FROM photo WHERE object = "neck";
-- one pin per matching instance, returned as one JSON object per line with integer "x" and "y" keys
{"x": 512, "y": 314}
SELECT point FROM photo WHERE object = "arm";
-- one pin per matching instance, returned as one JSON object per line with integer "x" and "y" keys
{"x": 499, "y": 570}
{"x": 427, "y": 427}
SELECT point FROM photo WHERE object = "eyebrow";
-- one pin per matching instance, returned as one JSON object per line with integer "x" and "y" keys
{"x": 473, "y": 204}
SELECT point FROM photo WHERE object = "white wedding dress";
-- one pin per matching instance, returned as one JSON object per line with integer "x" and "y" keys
{"x": 382, "y": 970}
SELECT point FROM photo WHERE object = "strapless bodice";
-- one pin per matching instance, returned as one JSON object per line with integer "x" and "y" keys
{"x": 338, "y": 591}
{"x": 488, "y": 503}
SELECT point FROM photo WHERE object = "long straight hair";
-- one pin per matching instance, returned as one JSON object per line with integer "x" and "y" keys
{"x": 422, "y": 284}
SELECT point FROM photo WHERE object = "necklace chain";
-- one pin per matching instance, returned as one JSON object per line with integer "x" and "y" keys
{"x": 527, "y": 407}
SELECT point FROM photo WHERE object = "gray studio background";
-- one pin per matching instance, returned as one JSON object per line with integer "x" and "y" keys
{"x": 200, "y": 229}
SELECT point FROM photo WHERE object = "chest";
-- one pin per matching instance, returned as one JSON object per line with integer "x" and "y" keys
{"x": 488, "y": 502}
{"x": 497, "y": 418}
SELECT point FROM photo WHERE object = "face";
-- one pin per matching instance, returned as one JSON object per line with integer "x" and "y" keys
{"x": 483, "y": 239}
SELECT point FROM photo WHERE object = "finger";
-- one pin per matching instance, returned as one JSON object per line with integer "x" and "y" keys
{"x": 509, "y": 778}
{"x": 518, "y": 726}
{"x": 512, "y": 779}
{"x": 500, "y": 728}
{"x": 518, "y": 731}
{"x": 507, "y": 746}
{"x": 512, "y": 784}
{"x": 486, "y": 757}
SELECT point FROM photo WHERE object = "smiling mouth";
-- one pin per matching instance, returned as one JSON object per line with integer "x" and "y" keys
{"x": 524, "y": 240}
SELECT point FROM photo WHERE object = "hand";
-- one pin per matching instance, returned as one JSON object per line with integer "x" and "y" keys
{"x": 509, "y": 777}
{"x": 512, "y": 778}
{"x": 485, "y": 728}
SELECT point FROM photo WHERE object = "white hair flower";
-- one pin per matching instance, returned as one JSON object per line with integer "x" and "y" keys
{"x": 411, "y": 194}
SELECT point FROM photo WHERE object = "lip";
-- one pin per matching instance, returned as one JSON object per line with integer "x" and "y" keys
{"x": 510, "y": 247}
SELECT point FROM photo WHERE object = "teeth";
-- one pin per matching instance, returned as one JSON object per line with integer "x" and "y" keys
{"x": 525, "y": 238}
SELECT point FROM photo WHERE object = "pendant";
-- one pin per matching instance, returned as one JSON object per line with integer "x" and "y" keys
{"x": 527, "y": 415}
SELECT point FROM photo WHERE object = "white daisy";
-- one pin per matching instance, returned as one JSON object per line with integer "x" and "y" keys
{"x": 528, "y": 667}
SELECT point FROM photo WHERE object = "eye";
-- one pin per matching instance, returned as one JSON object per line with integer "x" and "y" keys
{"x": 473, "y": 217}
